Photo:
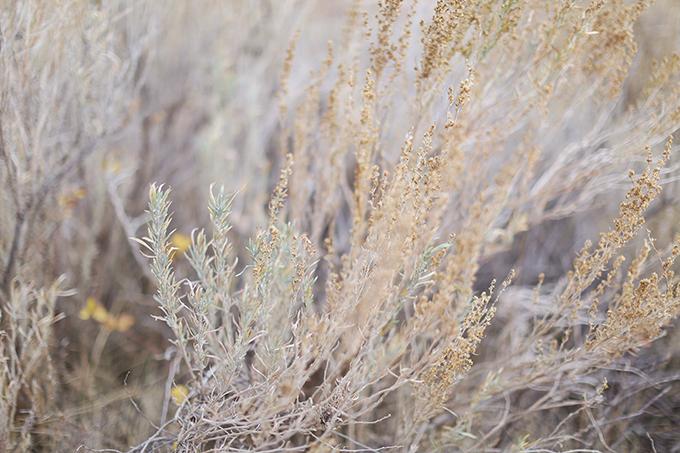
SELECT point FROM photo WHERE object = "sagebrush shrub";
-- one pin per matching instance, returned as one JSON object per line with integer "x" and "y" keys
{"x": 375, "y": 356}
{"x": 380, "y": 299}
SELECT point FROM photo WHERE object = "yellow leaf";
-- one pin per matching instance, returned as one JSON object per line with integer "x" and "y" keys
{"x": 69, "y": 200}
{"x": 112, "y": 165}
{"x": 181, "y": 242}
{"x": 100, "y": 314}
{"x": 93, "y": 309}
{"x": 179, "y": 394}
{"x": 124, "y": 322}
{"x": 88, "y": 309}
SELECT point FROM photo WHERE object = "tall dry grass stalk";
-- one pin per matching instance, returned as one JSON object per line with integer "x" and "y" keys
{"x": 371, "y": 304}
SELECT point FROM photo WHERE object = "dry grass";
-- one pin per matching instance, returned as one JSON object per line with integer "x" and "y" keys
{"x": 400, "y": 247}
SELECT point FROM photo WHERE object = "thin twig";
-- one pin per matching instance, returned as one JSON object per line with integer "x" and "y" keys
{"x": 135, "y": 404}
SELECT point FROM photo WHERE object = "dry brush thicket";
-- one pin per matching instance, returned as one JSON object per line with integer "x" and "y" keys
{"x": 403, "y": 249}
